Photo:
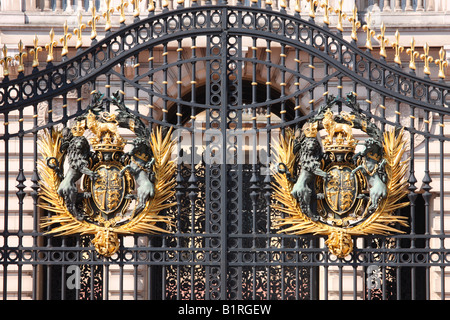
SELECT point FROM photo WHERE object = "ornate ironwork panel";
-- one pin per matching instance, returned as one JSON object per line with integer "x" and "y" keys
{"x": 229, "y": 81}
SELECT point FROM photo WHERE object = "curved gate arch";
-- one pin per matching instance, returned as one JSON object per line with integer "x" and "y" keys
{"x": 229, "y": 68}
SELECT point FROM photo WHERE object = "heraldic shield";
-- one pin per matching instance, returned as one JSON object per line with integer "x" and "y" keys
{"x": 327, "y": 188}
{"x": 89, "y": 182}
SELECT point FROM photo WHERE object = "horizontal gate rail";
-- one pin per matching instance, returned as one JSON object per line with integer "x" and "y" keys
{"x": 233, "y": 250}
{"x": 119, "y": 37}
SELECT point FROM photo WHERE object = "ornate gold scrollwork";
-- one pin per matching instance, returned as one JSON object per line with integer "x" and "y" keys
{"x": 111, "y": 179}
{"x": 354, "y": 194}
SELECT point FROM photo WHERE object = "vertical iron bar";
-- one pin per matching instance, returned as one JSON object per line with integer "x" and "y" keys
{"x": 267, "y": 179}
{"x": 240, "y": 166}
{"x": 223, "y": 186}
{"x": 151, "y": 83}
{"x": 441, "y": 201}
{"x": 165, "y": 82}
{"x": 6, "y": 202}
{"x": 427, "y": 195}
{"x": 297, "y": 83}
{"x": 34, "y": 195}
{"x": 208, "y": 164}
{"x": 254, "y": 179}
{"x": 20, "y": 194}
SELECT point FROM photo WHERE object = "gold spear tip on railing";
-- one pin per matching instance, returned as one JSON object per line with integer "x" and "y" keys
{"x": 355, "y": 23}
{"x": 64, "y": 40}
{"x": 412, "y": 54}
{"x": 326, "y": 6}
{"x": 35, "y": 52}
{"x": 383, "y": 40}
{"x": 442, "y": 63}
{"x": 312, "y": 8}
{"x": 93, "y": 22}
{"x": 426, "y": 59}
{"x": 79, "y": 31}
{"x": 398, "y": 48}
{"x": 341, "y": 15}
{"x": 121, "y": 8}
{"x": 151, "y": 6}
{"x": 137, "y": 10}
{"x": 5, "y": 61}
{"x": 298, "y": 6}
{"x": 19, "y": 57}
{"x": 49, "y": 46}
{"x": 107, "y": 15}
{"x": 369, "y": 32}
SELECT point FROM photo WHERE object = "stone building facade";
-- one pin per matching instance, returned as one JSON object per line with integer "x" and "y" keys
{"x": 427, "y": 21}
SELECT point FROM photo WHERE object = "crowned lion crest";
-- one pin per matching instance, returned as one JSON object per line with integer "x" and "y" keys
{"x": 89, "y": 183}
{"x": 326, "y": 187}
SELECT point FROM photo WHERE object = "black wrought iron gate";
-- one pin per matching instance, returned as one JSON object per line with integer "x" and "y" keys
{"x": 229, "y": 80}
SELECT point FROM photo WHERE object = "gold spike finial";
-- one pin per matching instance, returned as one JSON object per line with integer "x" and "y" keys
{"x": 412, "y": 55}
{"x": 426, "y": 58}
{"x": 370, "y": 33}
{"x": 298, "y": 6}
{"x": 79, "y": 31}
{"x": 326, "y": 6}
{"x": 151, "y": 6}
{"x": 383, "y": 40}
{"x": 121, "y": 8}
{"x": 137, "y": 10}
{"x": 67, "y": 36}
{"x": 312, "y": 8}
{"x": 442, "y": 63}
{"x": 19, "y": 57}
{"x": 107, "y": 15}
{"x": 341, "y": 15}
{"x": 35, "y": 52}
{"x": 49, "y": 46}
{"x": 398, "y": 48}
{"x": 283, "y": 4}
{"x": 355, "y": 23}
{"x": 93, "y": 22}
{"x": 5, "y": 61}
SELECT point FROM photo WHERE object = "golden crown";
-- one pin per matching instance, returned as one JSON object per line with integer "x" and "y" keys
{"x": 108, "y": 143}
{"x": 340, "y": 145}
{"x": 339, "y": 137}
{"x": 79, "y": 128}
{"x": 107, "y": 137}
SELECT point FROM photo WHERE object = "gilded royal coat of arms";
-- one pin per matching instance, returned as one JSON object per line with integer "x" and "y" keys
{"x": 330, "y": 189}
{"x": 89, "y": 184}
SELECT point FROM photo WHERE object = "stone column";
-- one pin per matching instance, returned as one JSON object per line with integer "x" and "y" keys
{"x": 80, "y": 5}
{"x": 419, "y": 5}
{"x": 409, "y": 6}
{"x": 69, "y": 7}
{"x": 11, "y": 5}
{"x": 398, "y": 5}
{"x": 47, "y": 5}
{"x": 59, "y": 5}
{"x": 30, "y": 5}
{"x": 387, "y": 5}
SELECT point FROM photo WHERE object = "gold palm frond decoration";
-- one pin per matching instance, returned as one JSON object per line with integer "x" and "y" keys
{"x": 164, "y": 168}
{"x": 49, "y": 199}
{"x": 106, "y": 236}
{"x": 295, "y": 222}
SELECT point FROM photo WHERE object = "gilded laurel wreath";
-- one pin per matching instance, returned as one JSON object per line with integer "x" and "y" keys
{"x": 106, "y": 231}
{"x": 339, "y": 186}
